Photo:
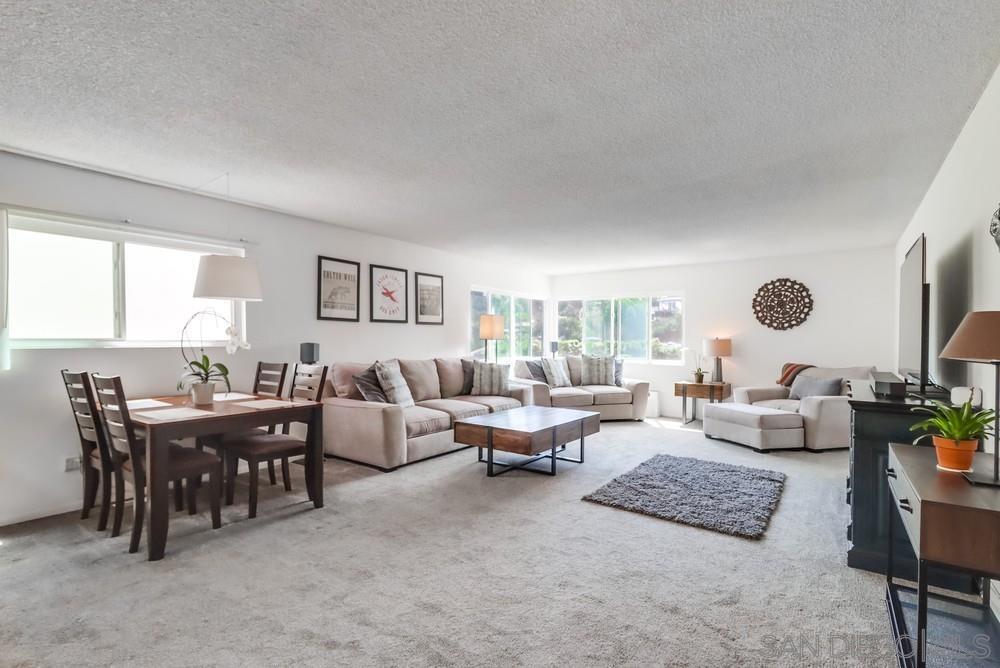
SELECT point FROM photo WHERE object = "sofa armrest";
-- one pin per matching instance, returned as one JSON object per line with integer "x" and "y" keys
{"x": 535, "y": 392}
{"x": 751, "y": 395}
{"x": 365, "y": 431}
{"x": 640, "y": 396}
{"x": 827, "y": 422}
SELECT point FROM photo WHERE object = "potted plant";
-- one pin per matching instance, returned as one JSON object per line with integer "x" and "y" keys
{"x": 699, "y": 373}
{"x": 200, "y": 377}
{"x": 955, "y": 431}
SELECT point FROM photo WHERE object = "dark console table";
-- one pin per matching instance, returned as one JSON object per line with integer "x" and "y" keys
{"x": 876, "y": 422}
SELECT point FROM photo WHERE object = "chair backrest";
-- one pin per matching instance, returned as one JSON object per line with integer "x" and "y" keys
{"x": 122, "y": 441}
{"x": 85, "y": 414}
{"x": 270, "y": 378}
{"x": 308, "y": 381}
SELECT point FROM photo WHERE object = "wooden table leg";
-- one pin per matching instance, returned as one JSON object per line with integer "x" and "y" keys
{"x": 314, "y": 457}
{"x": 157, "y": 465}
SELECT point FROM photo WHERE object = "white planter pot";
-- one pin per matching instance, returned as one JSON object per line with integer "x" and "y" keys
{"x": 202, "y": 393}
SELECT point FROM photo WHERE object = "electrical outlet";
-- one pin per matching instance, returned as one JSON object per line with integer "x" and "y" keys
{"x": 73, "y": 464}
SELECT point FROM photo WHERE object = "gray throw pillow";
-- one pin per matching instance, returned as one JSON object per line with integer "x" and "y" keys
{"x": 807, "y": 386}
{"x": 490, "y": 380}
{"x": 393, "y": 384}
{"x": 468, "y": 369}
{"x": 597, "y": 371}
{"x": 619, "y": 364}
{"x": 536, "y": 370}
{"x": 367, "y": 384}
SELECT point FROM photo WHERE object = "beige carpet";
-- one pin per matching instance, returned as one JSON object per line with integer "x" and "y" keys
{"x": 435, "y": 564}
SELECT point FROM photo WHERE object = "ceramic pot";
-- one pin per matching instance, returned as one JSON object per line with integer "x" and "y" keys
{"x": 954, "y": 455}
{"x": 699, "y": 378}
{"x": 201, "y": 393}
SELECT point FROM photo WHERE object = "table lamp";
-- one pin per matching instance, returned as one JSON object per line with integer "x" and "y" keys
{"x": 554, "y": 347}
{"x": 717, "y": 348}
{"x": 977, "y": 339}
{"x": 490, "y": 329}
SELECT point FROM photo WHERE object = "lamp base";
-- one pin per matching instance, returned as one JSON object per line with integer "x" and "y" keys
{"x": 717, "y": 374}
{"x": 981, "y": 478}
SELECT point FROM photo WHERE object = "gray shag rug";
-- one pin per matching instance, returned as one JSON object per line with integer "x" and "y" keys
{"x": 736, "y": 500}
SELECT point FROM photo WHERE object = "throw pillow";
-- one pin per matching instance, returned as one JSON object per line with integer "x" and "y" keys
{"x": 368, "y": 385}
{"x": 468, "y": 368}
{"x": 490, "y": 379}
{"x": 556, "y": 372}
{"x": 536, "y": 370}
{"x": 393, "y": 384}
{"x": 598, "y": 370}
{"x": 619, "y": 372}
{"x": 807, "y": 386}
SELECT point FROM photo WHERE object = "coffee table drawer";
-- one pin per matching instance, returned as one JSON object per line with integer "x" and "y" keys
{"x": 906, "y": 500}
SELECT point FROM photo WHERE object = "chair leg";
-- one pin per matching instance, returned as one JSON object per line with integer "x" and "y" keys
{"x": 178, "y": 496}
{"x": 192, "y": 494}
{"x": 214, "y": 488}
{"x": 270, "y": 472}
{"x": 254, "y": 479}
{"x": 90, "y": 481}
{"x": 140, "y": 511}
{"x": 232, "y": 464}
{"x": 102, "y": 520}
{"x": 286, "y": 474}
{"x": 116, "y": 525}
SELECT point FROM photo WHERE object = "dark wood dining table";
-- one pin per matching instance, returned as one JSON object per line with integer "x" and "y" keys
{"x": 226, "y": 416}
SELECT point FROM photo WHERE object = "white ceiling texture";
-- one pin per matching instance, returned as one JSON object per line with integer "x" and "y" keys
{"x": 565, "y": 135}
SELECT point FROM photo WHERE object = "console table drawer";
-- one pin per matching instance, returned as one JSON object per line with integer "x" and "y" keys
{"x": 906, "y": 500}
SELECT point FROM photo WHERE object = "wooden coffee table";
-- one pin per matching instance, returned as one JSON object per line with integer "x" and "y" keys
{"x": 537, "y": 432}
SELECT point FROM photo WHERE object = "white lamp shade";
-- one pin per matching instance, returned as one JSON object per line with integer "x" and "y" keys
{"x": 227, "y": 277}
{"x": 491, "y": 327}
{"x": 718, "y": 347}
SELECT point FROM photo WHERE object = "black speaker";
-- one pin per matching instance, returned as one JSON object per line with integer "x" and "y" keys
{"x": 308, "y": 353}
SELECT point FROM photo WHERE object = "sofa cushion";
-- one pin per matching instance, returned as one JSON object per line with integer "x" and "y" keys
{"x": 456, "y": 409}
{"x": 343, "y": 379}
{"x": 597, "y": 370}
{"x": 495, "y": 404}
{"x": 536, "y": 370}
{"x": 608, "y": 394}
{"x": 468, "y": 375}
{"x": 422, "y": 378}
{"x": 619, "y": 372}
{"x": 369, "y": 387}
{"x": 575, "y": 364}
{"x": 450, "y": 376}
{"x": 753, "y": 416}
{"x": 790, "y": 405}
{"x": 556, "y": 372}
{"x": 809, "y": 386}
{"x": 393, "y": 384}
{"x": 568, "y": 397}
{"x": 421, "y": 421}
{"x": 490, "y": 379}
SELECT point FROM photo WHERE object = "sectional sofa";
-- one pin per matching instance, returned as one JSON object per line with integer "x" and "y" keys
{"x": 627, "y": 402}
{"x": 388, "y": 436}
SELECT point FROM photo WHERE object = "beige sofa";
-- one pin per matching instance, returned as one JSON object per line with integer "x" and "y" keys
{"x": 388, "y": 436}
{"x": 627, "y": 402}
{"x": 826, "y": 420}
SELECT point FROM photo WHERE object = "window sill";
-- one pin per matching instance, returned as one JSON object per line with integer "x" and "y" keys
{"x": 82, "y": 344}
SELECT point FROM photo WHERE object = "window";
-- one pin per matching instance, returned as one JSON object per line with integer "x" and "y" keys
{"x": 640, "y": 328}
{"x": 76, "y": 282}
{"x": 524, "y": 325}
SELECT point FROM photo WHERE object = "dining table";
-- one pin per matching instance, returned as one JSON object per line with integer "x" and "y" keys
{"x": 166, "y": 419}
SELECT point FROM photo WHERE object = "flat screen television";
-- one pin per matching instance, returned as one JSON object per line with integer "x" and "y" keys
{"x": 914, "y": 317}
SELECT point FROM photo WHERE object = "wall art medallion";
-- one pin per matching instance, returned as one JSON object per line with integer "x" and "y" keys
{"x": 995, "y": 227}
{"x": 387, "y": 294}
{"x": 428, "y": 298}
{"x": 338, "y": 295}
{"x": 782, "y": 304}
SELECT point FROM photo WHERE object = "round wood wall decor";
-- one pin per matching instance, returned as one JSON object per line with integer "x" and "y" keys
{"x": 782, "y": 304}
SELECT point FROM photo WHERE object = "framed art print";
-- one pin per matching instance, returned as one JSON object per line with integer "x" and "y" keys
{"x": 338, "y": 295}
{"x": 387, "y": 294}
{"x": 428, "y": 297}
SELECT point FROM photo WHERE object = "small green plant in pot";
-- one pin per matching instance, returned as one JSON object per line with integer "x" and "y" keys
{"x": 200, "y": 376}
{"x": 955, "y": 431}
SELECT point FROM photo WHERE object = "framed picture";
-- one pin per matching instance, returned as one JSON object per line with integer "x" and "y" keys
{"x": 387, "y": 294}
{"x": 428, "y": 297}
{"x": 338, "y": 294}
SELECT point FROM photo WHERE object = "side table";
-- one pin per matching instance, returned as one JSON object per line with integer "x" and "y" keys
{"x": 695, "y": 391}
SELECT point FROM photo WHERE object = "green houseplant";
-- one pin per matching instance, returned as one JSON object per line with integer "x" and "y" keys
{"x": 955, "y": 431}
{"x": 200, "y": 377}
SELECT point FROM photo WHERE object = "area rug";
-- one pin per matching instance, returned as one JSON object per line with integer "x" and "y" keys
{"x": 736, "y": 500}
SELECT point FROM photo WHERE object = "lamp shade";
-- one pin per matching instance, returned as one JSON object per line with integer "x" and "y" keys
{"x": 491, "y": 327}
{"x": 718, "y": 347}
{"x": 977, "y": 338}
{"x": 227, "y": 277}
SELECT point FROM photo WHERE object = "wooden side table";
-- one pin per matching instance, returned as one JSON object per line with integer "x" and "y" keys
{"x": 695, "y": 391}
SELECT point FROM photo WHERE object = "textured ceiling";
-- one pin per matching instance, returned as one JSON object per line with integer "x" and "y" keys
{"x": 569, "y": 135}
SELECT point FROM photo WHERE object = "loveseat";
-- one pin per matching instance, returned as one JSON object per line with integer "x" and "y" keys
{"x": 627, "y": 402}
{"x": 827, "y": 419}
{"x": 388, "y": 436}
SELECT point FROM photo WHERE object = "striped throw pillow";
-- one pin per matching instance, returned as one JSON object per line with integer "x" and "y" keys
{"x": 393, "y": 384}
{"x": 598, "y": 370}
{"x": 490, "y": 379}
{"x": 556, "y": 372}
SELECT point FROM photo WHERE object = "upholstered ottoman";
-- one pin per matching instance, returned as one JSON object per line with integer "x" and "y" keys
{"x": 763, "y": 429}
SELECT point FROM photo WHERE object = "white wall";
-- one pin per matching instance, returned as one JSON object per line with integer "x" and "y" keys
{"x": 36, "y": 429}
{"x": 851, "y": 322}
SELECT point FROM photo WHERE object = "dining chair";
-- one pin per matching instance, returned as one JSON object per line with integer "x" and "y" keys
{"x": 308, "y": 382}
{"x": 95, "y": 460}
{"x": 128, "y": 453}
